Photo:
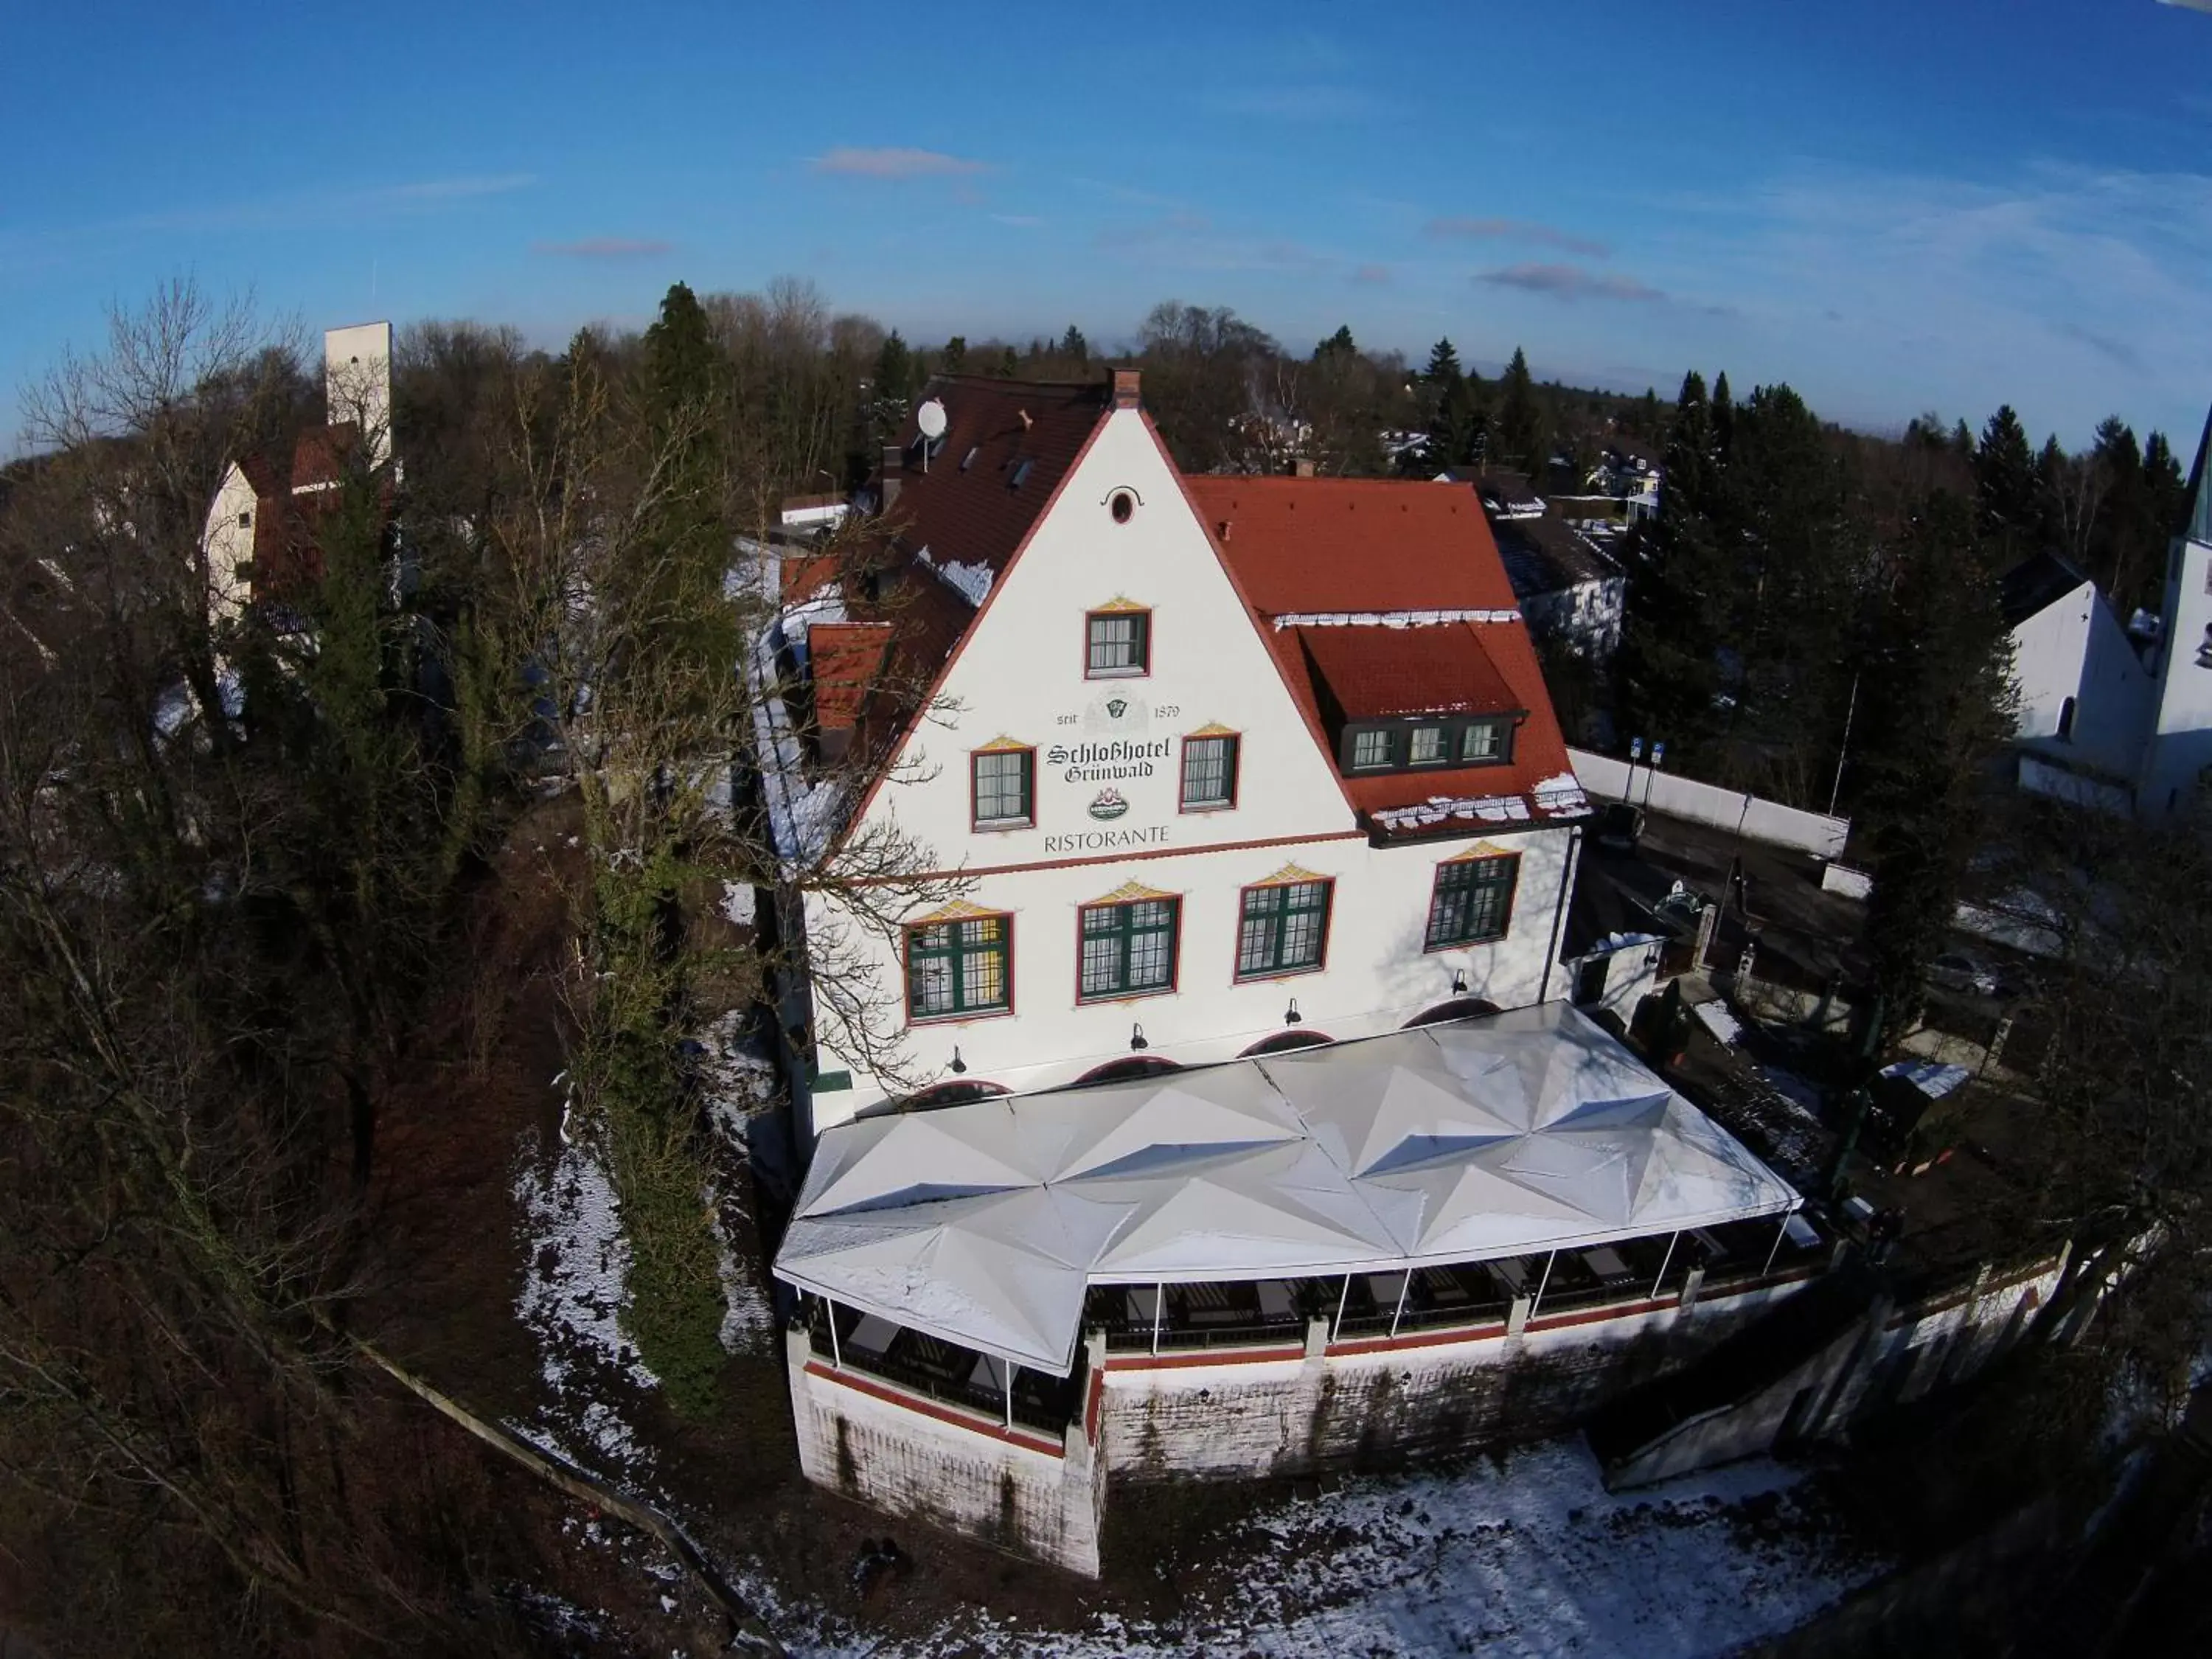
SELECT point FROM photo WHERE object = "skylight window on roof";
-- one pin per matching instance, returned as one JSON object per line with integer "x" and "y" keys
{"x": 969, "y": 459}
{"x": 1020, "y": 473}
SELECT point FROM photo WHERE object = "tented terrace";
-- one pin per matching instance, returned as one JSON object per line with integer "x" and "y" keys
{"x": 1432, "y": 1164}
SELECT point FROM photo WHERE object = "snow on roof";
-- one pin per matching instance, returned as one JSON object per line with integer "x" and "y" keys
{"x": 1932, "y": 1077}
{"x": 987, "y": 1224}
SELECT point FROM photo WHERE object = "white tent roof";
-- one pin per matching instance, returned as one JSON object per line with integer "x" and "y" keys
{"x": 1533, "y": 1130}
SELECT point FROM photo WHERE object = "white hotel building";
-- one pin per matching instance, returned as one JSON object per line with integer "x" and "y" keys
{"x": 1238, "y": 1068}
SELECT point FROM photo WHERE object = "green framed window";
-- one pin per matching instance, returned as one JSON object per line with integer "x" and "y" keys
{"x": 1002, "y": 788}
{"x": 1484, "y": 741}
{"x": 1371, "y": 748}
{"x": 1472, "y": 904}
{"x": 1119, "y": 642}
{"x": 1128, "y": 950}
{"x": 955, "y": 968}
{"x": 1209, "y": 773}
{"x": 1428, "y": 745}
{"x": 1284, "y": 929}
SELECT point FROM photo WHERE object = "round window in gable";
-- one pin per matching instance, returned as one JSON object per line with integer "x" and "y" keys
{"x": 1121, "y": 504}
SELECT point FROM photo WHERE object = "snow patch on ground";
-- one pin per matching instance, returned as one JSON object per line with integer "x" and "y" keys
{"x": 573, "y": 1289}
{"x": 1714, "y": 1017}
{"x": 738, "y": 903}
{"x": 740, "y": 1082}
{"x": 1528, "y": 1556}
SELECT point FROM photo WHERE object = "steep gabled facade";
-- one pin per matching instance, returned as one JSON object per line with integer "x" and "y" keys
{"x": 1218, "y": 776}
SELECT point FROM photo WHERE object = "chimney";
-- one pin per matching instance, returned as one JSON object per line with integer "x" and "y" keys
{"x": 1302, "y": 468}
{"x": 894, "y": 467}
{"x": 1125, "y": 388}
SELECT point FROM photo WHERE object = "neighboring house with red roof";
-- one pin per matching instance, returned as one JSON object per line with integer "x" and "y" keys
{"x": 1226, "y": 763}
{"x": 260, "y": 537}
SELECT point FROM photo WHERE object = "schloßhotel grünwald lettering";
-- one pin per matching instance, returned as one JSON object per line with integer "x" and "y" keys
{"x": 1102, "y": 763}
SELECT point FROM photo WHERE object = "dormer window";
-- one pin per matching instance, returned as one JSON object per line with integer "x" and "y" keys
{"x": 1483, "y": 742}
{"x": 1413, "y": 744}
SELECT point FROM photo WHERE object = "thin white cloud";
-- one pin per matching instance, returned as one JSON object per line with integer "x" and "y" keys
{"x": 288, "y": 210}
{"x": 2068, "y": 292}
{"x": 1517, "y": 230}
{"x": 454, "y": 190}
{"x": 1311, "y": 101}
{"x": 895, "y": 162}
{"x": 1569, "y": 282}
{"x": 605, "y": 247}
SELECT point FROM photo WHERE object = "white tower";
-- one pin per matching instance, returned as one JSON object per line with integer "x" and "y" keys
{"x": 357, "y": 383}
{"x": 2179, "y": 752}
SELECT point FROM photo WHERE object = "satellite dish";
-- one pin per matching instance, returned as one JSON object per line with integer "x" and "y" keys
{"x": 930, "y": 417}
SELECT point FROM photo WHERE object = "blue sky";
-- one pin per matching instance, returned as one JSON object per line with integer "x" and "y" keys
{"x": 1894, "y": 205}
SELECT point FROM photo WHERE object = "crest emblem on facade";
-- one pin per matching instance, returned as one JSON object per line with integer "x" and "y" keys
{"x": 1117, "y": 707}
{"x": 1107, "y": 804}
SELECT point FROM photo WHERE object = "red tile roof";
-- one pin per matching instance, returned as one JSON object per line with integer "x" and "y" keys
{"x": 1316, "y": 546}
{"x": 846, "y": 659}
{"x": 320, "y": 455}
{"x": 1378, "y": 673}
{"x": 1304, "y": 545}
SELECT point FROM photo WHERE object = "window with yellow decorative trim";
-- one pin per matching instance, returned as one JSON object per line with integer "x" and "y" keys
{"x": 1283, "y": 927}
{"x": 1002, "y": 788}
{"x": 1472, "y": 900}
{"x": 1127, "y": 950}
{"x": 1118, "y": 644}
{"x": 1209, "y": 771}
{"x": 960, "y": 967}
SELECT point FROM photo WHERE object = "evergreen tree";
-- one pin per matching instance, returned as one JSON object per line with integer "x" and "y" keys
{"x": 680, "y": 358}
{"x": 1520, "y": 437}
{"x": 2007, "y": 500}
{"x": 1785, "y": 507}
{"x": 1937, "y": 708}
{"x": 1669, "y": 665}
{"x": 1443, "y": 367}
{"x": 1723, "y": 419}
{"x": 1339, "y": 344}
{"x": 1073, "y": 346}
{"x": 1009, "y": 366}
{"x": 956, "y": 355}
{"x": 685, "y": 548}
{"x": 894, "y": 370}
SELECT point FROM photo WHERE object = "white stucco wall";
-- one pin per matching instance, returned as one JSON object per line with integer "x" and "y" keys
{"x": 2181, "y": 745}
{"x": 2076, "y": 647}
{"x": 1021, "y": 676}
{"x": 357, "y": 382}
{"x": 229, "y": 544}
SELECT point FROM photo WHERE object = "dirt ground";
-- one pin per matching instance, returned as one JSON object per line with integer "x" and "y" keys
{"x": 449, "y": 1268}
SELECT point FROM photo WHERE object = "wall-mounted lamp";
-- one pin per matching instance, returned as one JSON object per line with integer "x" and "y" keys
{"x": 1291, "y": 1015}
{"x": 1137, "y": 1036}
{"x": 1459, "y": 982}
{"x": 959, "y": 1064}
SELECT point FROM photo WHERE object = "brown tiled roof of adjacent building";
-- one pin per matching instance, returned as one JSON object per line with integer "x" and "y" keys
{"x": 1007, "y": 444}
{"x": 846, "y": 658}
{"x": 319, "y": 457}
